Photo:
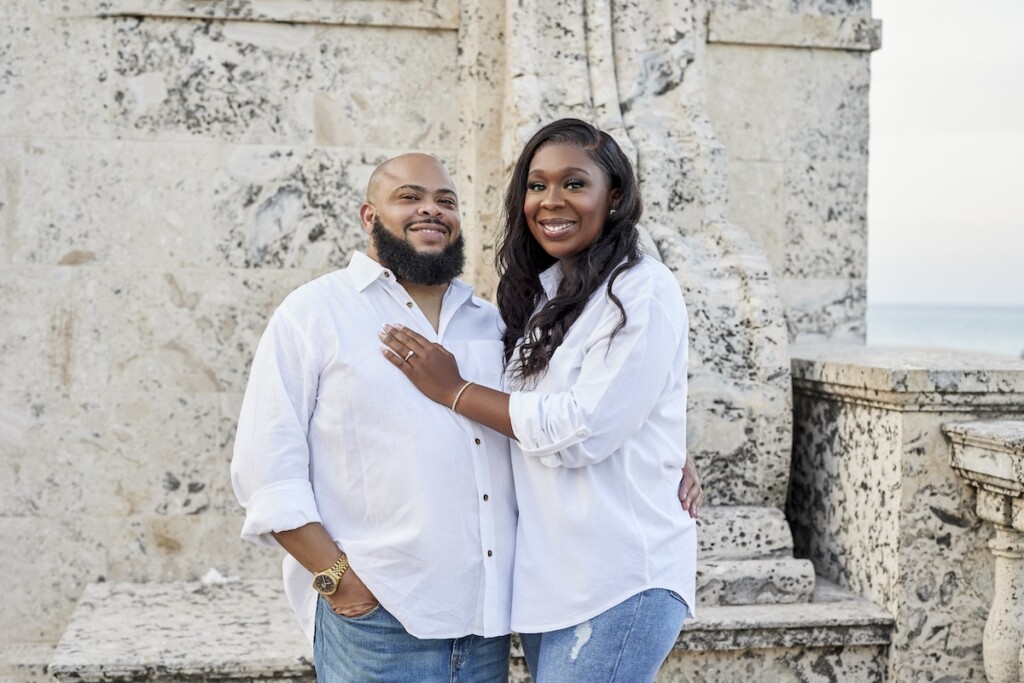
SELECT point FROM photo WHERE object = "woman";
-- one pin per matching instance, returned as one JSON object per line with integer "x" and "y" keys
{"x": 596, "y": 358}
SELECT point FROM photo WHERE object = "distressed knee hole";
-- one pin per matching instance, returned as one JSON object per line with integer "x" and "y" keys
{"x": 583, "y": 633}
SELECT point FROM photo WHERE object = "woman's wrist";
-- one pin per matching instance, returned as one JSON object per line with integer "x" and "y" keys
{"x": 458, "y": 396}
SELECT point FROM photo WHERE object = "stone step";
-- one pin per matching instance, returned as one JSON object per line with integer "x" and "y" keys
{"x": 244, "y": 630}
{"x": 754, "y": 582}
{"x": 743, "y": 532}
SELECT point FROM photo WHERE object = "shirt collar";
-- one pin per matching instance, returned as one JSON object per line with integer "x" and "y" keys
{"x": 551, "y": 278}
{"x": 365, "y": 271}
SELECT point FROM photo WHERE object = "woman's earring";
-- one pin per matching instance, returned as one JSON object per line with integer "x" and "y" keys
{"x": 612, "y": 212}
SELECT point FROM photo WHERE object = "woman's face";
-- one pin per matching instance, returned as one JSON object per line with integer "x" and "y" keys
{"x": 567, "y": 200}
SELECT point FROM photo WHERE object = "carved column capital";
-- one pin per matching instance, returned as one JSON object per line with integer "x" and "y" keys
{"x": 990, "y": 455}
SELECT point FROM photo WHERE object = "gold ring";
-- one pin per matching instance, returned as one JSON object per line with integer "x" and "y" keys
{"x": 408, "y": 356}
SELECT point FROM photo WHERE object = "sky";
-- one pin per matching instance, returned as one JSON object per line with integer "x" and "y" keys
{"x": 946, "y": 171}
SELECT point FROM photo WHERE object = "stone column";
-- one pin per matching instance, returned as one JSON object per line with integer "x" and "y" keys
{"x": 990, "y": 455}
{"x": 876, "y": 505}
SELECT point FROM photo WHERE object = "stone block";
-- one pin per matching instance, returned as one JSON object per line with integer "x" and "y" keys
{"x": 779, "y": 104}
{"x": 381, "y": 88}
{"x": 278, "y": 83}
{"x": 38, "y": 331}
{"x": 72, "y": 203}
{"x": 182, "y": 80}
{"x": 736, "y": 532}
{"x": 55, "y": 80}
{"x": 160, "y": 454}
{"x": 754, "y": 582}
{"x": 190, "y": 330}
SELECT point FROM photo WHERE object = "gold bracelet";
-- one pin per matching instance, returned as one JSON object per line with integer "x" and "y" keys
{"x": 459, "y": 395}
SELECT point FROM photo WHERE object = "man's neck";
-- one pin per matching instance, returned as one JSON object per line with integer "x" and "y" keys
{"x": 428, "y": 298}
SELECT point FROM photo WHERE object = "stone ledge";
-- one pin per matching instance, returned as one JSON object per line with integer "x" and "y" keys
{"x": 245, "y": 630}
{"x": 749, "y": 27}
{"x": 835, "y": 617}
{"x": 443, "y": 14}
{"x": 183, "y": 631}
{"x": 910, "y": 379}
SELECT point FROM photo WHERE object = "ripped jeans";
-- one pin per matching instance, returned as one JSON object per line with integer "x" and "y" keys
{"x": 625, "y": 644}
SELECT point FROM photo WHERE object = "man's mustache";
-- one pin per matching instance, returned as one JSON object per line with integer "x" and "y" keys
{"x": 433, "y": 221}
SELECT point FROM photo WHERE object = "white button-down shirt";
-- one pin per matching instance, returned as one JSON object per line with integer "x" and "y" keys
{"x": 601, "y": 440}
{"x": 420, "y": 498}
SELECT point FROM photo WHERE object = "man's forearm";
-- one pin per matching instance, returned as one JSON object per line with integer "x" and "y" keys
{"x": 311, "y": 545}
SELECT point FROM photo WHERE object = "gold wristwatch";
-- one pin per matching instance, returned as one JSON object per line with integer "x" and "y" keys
{"x": 326, "y": 582}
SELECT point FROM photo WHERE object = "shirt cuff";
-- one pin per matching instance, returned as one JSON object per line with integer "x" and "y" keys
{"x": 282, "y": 506}
{"x": 529, "y": 424}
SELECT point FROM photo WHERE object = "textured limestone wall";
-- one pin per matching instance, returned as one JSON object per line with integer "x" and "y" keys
{"x": 169, "y": 170}
{"x": 164, "y": 182}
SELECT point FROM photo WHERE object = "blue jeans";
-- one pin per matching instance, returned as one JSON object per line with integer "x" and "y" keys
{"x": 375, "y": 648}
{"x": 626, "y": 643}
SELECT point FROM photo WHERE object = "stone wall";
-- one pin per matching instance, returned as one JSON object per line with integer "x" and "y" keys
{"x": 169, "y": 170}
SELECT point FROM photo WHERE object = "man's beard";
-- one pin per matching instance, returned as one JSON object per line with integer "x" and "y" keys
{"x": 410, "y": 265}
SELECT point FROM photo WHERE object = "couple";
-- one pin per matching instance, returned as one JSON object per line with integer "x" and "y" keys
{"x": 537, "y": 490}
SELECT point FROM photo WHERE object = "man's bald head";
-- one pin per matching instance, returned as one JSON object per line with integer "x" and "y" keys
{"x": 396, "y": 170}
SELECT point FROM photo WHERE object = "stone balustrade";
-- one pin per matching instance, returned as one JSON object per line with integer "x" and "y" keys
{"x": 876, "y": 504}
{"x": 990, "y": 455}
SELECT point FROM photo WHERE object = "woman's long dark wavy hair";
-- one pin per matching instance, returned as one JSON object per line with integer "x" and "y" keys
{"x": 520, "y": 259}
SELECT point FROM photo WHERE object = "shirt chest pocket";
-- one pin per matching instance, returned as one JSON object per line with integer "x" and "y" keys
{"x": 481, "y": 362}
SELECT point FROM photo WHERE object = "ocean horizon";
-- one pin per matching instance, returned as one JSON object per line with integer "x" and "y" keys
{"x": 988, "y": 329}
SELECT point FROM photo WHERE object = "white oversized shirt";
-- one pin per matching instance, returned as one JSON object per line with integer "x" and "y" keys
{"x": 420, "y": 498}
{"x": 601, "y": 440}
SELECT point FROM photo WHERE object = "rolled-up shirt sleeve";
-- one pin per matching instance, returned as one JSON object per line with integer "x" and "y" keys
{"x": 618, "y": 384}
{"x": 270, "y": 466}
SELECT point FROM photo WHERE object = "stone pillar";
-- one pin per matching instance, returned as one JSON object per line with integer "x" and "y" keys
{"x": 990, "y": 455}
{"x": 875, "y": 503}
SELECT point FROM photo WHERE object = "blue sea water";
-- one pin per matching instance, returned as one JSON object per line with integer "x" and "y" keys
{"x": 991, "y": 330}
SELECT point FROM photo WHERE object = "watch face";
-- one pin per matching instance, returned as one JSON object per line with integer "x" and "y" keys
{"x": 324, "y": 583}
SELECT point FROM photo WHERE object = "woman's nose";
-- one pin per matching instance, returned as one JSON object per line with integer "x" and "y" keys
{"x": 551, "y": 198}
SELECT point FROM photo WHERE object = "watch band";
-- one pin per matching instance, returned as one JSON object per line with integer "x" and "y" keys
{"x": 338, "y": 569}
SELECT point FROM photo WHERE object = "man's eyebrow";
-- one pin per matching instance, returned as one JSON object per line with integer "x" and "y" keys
{"x": 421, "y": 189}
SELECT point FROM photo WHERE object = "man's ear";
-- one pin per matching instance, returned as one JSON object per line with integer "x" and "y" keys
{"x": 366, "y": 215}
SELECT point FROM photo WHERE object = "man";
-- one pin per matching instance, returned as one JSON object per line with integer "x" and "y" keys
{"x": 397, "y": 514}
{"x": 403, "y": 511}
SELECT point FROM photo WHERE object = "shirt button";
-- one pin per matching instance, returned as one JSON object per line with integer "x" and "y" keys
{"x": 486, "y": 497}
{"x": 476, "y": 441}
{"x": 490, "y": 553}
{"x": 387, "y": 274}
{"x": 408, "y": 304}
